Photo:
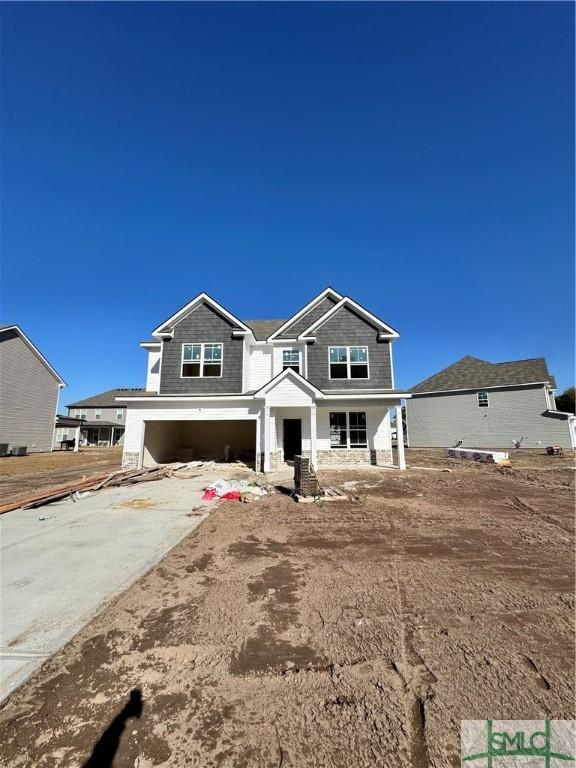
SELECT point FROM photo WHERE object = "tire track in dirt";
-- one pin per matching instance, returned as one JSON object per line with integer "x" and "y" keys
{"x": 522, "y": 506}
{"x": 417, "y": 682}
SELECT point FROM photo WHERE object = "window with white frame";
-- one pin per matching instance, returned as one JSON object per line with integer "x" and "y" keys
{"x": 348, "y": 429}
{"x": 201, "y": 360}
{"x": 80, "y": 413}
{"x": 482, "y": 399}
{"x": 119, "y": 414}
{"x": 291, "y": 359}
{"x": 98, "y": 413}
{"x": 348, "y": 362}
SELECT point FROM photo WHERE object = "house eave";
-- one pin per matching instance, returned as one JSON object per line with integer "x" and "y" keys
{"x": 480, "y": 388}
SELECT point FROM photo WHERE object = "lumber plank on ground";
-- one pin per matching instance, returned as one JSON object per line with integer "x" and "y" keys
{"x": 92, "y": 483}
{"x": 49, "y": 491}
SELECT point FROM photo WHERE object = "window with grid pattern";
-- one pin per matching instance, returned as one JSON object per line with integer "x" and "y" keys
{"x": 348, "y": 362}
{"x": 201, "y": 360}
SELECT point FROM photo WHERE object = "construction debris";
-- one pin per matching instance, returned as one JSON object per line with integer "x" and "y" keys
{"x": 77, "y": 490}
{"x": 473, "y": 454}
{"x": 235, "y": 490}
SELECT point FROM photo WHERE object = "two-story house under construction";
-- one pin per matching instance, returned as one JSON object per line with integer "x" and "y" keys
{"x": 320, "y": 384}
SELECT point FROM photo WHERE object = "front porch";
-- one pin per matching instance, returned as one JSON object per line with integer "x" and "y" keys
{"x": 324, "y": 434}
{"x": 101, "y": 434}
{"x": 330, "y": 429}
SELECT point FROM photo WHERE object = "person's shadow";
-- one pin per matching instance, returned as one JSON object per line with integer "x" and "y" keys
{"x": 107, "y": 745}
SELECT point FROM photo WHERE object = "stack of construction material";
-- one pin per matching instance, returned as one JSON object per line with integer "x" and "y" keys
{"x": 93, "y": 483}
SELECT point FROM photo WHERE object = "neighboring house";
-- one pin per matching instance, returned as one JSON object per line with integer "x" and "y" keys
{"x": 103, "y": 419}
{"x": 320, "y": 384}
{"x": 478, "y": 404}
{"x": 29, "y": 390}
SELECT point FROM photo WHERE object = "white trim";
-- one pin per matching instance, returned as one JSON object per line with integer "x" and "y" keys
{"x": 358, "y": 396}
{"x": 299, "y": 353}
{"x": 481, "y": 405}
{"x": 303, "y": 311}
{"x": 184, "y": 398}
{"x": 230, "y": 396}
{"x": 313, "y": 436}
{"x": 400, "y": 438}
{"x": 349, "y": 363}
{"x": 267, "y": 436}
{"x": 480, "y": 389}
{"x": 289, "y": 372}
{"x": 202, "y": 361}
{"x": 390, "y": 333}
{"x": 391, "y": 364}
{"x": 150, "y": 344}
{"x": 184, "y": 311}
{"x": 36, "y": 351}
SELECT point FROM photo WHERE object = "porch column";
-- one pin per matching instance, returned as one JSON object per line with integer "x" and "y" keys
{"x": 77, "y": 439}
{"x": 111, "y": 441}
{"x": 400, "y": 438}
{"x": 266, "y": 438}
{"x": 313, "y": 450}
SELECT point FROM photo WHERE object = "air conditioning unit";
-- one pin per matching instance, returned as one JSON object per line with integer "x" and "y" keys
{"x": 19, "y": 450}
{"x": 4, "y": 449}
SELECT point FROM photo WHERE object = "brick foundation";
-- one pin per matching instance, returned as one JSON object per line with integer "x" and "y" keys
{"x": 355, "y": 456}
{"x": 130, "y": 460}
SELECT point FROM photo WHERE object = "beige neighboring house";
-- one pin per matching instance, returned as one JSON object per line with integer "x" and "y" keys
{"x": 29, "y": 390}
{"x": 103, "y": 419}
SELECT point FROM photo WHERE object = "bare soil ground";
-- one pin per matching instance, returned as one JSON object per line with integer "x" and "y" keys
{"x": 20, "y": 474}
{"x": 342, "y": 634}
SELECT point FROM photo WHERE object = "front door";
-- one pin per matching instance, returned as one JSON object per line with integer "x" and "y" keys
{"x": 292, "y": 438}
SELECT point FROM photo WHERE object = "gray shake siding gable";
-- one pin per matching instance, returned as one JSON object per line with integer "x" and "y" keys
{"x": 202, "y": 325}
{"x": 28, "y": 396}
{"x": 309, "y": 318}
{"x": 346, "y": 328}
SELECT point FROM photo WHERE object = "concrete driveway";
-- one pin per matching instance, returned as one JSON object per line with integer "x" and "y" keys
{"x": 63, "y": 562}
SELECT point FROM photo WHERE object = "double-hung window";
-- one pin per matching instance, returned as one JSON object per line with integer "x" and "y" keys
{"x": 201, "y": 360}
{"x": 348, "y": 362}
{"x": 119, "y": 414}
{"x": 483, "y": 400}
{"x": 98, "y": 413}
{"x": 348, "y": 430}
{"x": 291, "y": 359}
{"x": 80, "y": 414}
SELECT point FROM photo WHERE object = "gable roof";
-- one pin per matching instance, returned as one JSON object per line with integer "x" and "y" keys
{"x": 262, "y": 329}
{"x": 165, "y": 328}
{"x": 288, "y": 373}
{"x": 106, "y": 399}
{"x": 35, "y": 350}
{"x": 473, "y": 373}
{"x": 386, "y": 331}
{"x": 301, "y": 312}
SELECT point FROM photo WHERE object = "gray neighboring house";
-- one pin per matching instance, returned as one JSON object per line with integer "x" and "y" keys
{"x": 103, "y": 418}
{"x": 29, "y": 390}
{"x": 478, "y": 404}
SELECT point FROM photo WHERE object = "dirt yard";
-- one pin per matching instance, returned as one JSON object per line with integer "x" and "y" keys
{"x": 345, "y": 634}
{"x": 21, "y": 474}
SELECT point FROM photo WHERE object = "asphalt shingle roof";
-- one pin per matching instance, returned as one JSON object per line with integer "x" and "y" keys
{"x": 107, "y": 399}
{"x": 263, "y": 328}
{"x": 473, "y": 373}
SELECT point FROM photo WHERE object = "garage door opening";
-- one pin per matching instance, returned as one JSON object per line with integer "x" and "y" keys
{"x": 166, "y": 441}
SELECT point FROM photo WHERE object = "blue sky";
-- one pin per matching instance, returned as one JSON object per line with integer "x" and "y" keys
{"x": 417, "y": 157}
